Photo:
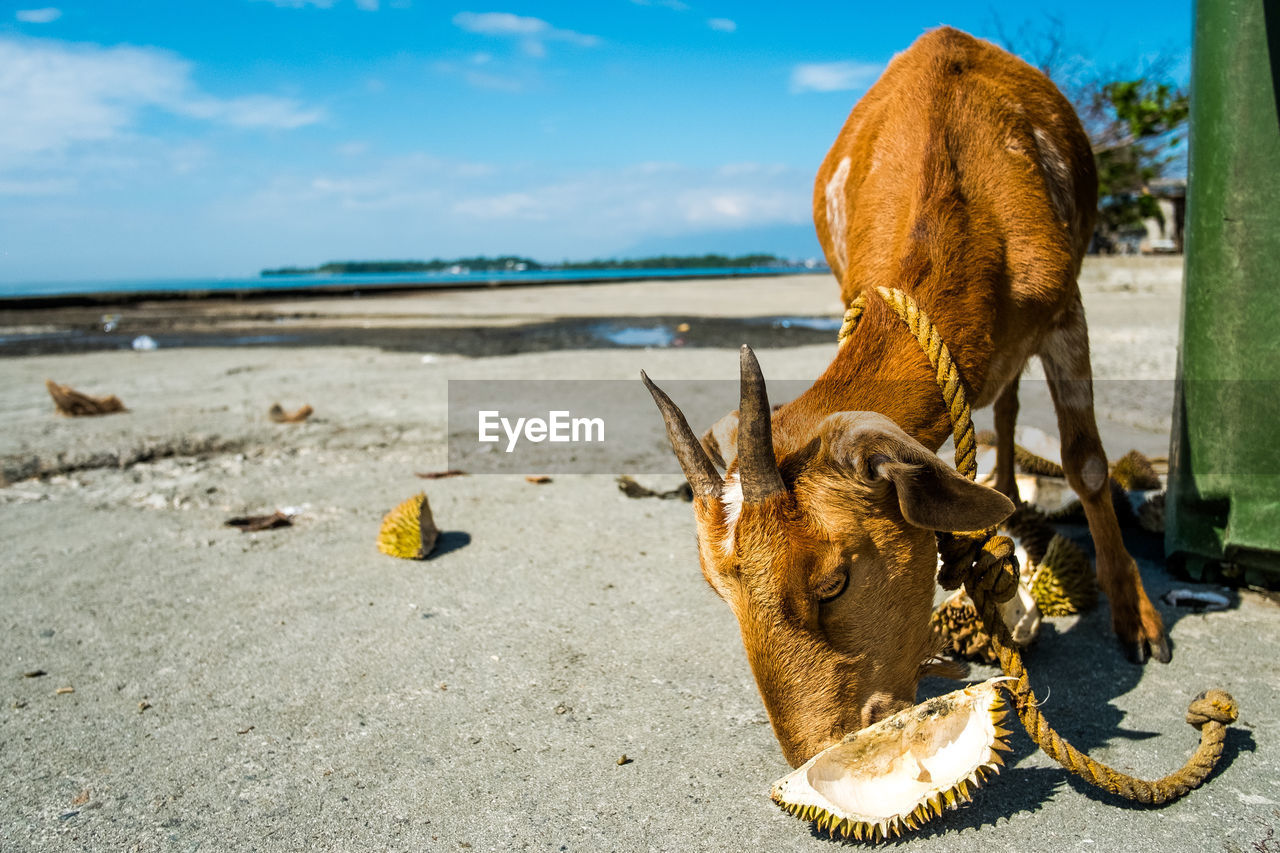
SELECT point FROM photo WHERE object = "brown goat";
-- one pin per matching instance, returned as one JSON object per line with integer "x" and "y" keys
{"x": 964, "y": 178}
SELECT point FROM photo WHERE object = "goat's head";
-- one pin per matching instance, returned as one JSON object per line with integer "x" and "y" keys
{"x": 827, "y": 558}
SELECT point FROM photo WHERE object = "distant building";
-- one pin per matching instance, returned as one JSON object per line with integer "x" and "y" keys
{"x": 1165, "y": 237}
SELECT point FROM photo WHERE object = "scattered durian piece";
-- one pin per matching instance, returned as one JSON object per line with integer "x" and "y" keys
{"x": 903, "y": 771}
{"x": 408, "y": 531}
{"x": 1062, "y": 582}
{"x": 1134, "y": 472}
{"x": 280, "y": 416}
{"x": 70, "y": 402}
{"x": 959, "y": 627}
{"x": 1030, "y": 463}
{"x": 1037, "y": 452}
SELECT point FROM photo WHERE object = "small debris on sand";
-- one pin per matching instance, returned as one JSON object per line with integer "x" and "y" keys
{"x": 440, "y": 475}
{"x": 74, "y": 404}
{"x": 280, "y": 416}
{"x": 632, "y": 489}
{"x": 63, "y": 691}
{"x": 1197, "y": 600}
{"x": 250, "y": 523}
{"x": 624, "y": 760}
{"x": 540, "y": 479}
{"x": 35, "y": 673}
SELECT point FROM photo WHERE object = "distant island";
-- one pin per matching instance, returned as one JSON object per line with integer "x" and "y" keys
{"x": 513, "y": 263}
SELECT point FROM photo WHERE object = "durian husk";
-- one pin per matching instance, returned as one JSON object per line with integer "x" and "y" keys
{"x": 1030, "y": 463}
{"x": 408, "y": 531}
{"x": 1135, "y": 473}
{"x": 959, "y": 632}
{"x": 72, "y": 403}
{"x": 1062, "y": 581}
{"x": 903, "y": 771}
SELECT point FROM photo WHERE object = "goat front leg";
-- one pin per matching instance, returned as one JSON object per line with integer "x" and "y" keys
{"x": 1006, "y": 417}
{"x": 1065, "y": 355}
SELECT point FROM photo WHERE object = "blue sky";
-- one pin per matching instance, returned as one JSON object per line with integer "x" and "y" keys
{"x": 151, "y": 139}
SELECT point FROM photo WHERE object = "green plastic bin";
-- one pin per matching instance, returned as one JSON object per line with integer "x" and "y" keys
{"x": 1222, "y": 518}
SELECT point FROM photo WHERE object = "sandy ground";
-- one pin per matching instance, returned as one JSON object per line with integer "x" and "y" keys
{"x": 295, "y": 689}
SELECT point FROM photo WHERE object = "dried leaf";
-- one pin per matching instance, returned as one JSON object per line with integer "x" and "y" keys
{"x": 280, "y": 416}
{"x": 72, "y": 403}
{"x": 632, "y": 489}
{"x": 249, "y": 523}
{"x": 440, "y": 475}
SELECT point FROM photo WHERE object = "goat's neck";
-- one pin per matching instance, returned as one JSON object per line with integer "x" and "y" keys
{"x": 880, "y": 368}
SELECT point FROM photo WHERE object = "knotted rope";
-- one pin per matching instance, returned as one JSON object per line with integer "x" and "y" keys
{"x": 985, "y": 564}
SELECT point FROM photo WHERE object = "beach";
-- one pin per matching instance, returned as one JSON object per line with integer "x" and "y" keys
{"x": 558, "y": 676}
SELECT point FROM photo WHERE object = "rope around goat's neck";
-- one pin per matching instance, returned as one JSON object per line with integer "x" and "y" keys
{"x": 985, "y": 563}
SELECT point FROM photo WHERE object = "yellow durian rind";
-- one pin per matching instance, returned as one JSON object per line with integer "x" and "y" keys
{"x": 981, "y": 701}
{"x": 401, "y": 533}
{"x": 1063, "y": 583}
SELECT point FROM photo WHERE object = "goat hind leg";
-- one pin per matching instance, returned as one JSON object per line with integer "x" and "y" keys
{"x": 1006, "y": 416}
{"x": 1065, "y": 356}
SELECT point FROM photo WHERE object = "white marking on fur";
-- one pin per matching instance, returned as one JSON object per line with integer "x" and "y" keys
{"x": 1057, "y": 173}
{"x": 1094, "y": 473}
{"x": 731, "y": 500}
{"x": 835, "y": 212}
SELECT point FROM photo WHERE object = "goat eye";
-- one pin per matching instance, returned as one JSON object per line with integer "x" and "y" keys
{"x": 831, "y": 586}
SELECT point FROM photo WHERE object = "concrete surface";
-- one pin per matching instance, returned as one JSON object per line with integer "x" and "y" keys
{"x": 295, "y": 689}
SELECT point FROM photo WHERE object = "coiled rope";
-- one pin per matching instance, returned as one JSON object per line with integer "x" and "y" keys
{"x": 985, "y": 564}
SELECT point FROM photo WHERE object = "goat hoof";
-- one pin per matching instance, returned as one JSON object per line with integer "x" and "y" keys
{"x": 1135, "y": 651}
{"x": 1160, "y": 649}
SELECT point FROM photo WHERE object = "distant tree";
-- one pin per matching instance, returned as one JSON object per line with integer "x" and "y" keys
{"x": 1136, "y": 122}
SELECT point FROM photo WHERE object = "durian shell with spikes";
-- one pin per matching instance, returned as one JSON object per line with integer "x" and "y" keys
{"x": 903, "y": 771}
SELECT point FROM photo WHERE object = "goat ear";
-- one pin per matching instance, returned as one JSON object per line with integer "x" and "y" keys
{"x": 930, "y": 493}
{"x": 933, "y": 495}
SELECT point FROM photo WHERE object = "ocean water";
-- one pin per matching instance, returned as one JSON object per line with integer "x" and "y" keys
{"x": 370, "y": 282}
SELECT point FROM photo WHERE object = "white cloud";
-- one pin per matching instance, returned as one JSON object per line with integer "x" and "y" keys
{"x": 643, "y": 199}
{"x": 46, "y": 15}
{"x": 722, "y": 25}
{"x": 68, "y": 94}
{"x": 474, "y": 75}
{"x": 833, "y": 76}
{"x": 532, "y": 33}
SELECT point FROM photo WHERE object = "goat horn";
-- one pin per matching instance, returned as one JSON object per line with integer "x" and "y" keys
{"x": 757, "y": 467}
{"x": 702, "y": 475}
